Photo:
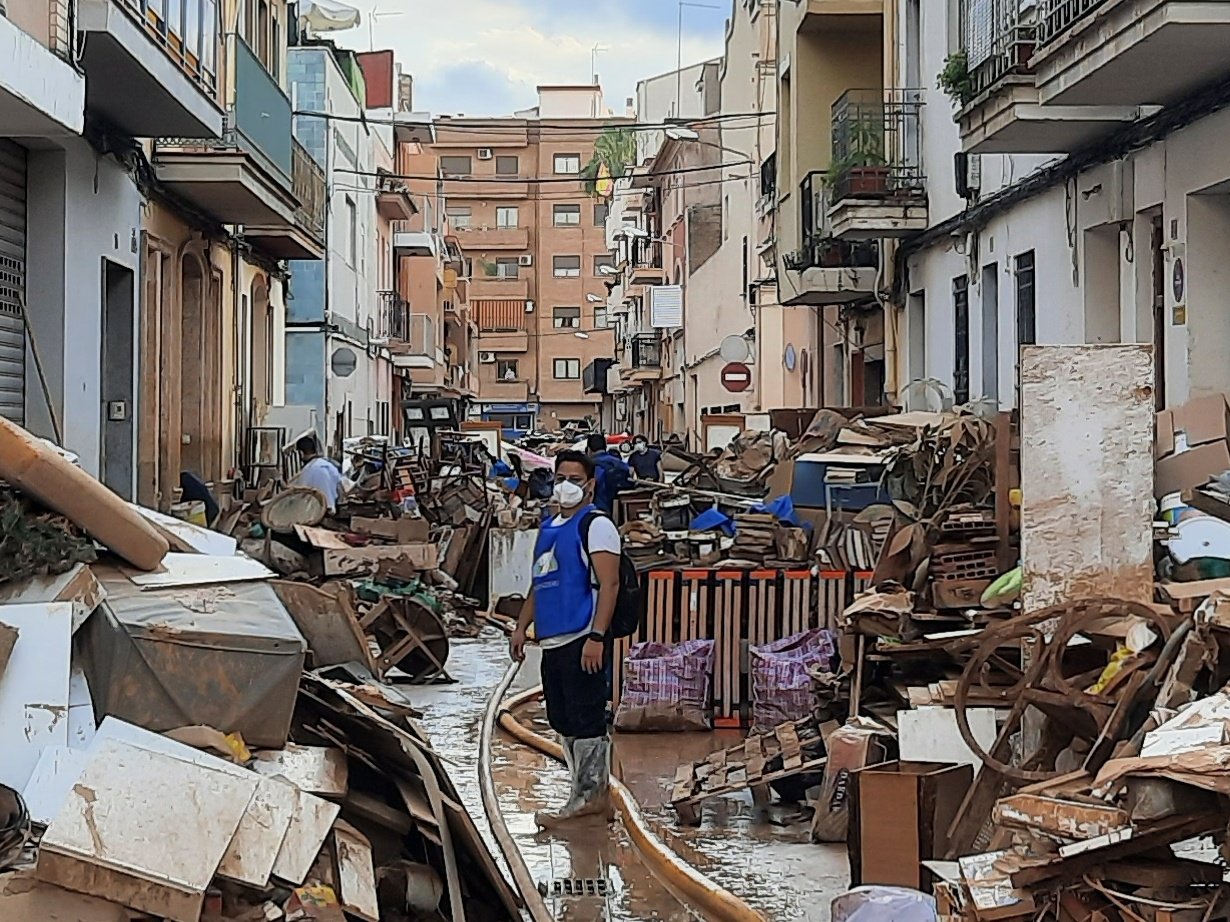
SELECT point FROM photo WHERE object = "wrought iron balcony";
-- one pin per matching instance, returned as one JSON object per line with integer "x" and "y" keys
{"x": 998, "y": 38}
{"x": 308, "y": 187}
{"x": 646, "y": 350}
{"x": 393, "y": 316}
{"x": 1058, "y": 15}
{"x": 877, "y": 145}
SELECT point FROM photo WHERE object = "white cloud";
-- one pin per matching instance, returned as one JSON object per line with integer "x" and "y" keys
{"x": 463, "y": 48}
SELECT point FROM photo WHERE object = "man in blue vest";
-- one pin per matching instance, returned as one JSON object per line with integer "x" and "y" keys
{"x": 575, "y": 588}
{"x": 612, "y": 476}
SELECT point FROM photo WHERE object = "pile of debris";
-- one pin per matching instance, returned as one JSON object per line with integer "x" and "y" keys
{"x": 189, "y": 738}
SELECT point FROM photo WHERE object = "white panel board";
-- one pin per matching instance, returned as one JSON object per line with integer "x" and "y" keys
{"x": 201, "y": 570}
{"x": 1087, "y": 422}
{"x": 511, "y": 557}
{"x": 34, "y": 687}
{"x": 931, "y": 734}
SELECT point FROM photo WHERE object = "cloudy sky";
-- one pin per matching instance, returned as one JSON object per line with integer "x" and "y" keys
{"x": 485, "y": 57}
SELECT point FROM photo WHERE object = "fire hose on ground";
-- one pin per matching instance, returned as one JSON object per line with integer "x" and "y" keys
{"x": 684, "y": 882}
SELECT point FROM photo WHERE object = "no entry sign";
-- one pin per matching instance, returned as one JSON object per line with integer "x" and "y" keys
{"x": 736, "y": 377}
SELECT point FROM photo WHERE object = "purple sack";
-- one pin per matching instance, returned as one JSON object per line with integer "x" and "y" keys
{"x": 667, "y": 687}
{"x": 781, "y": 680}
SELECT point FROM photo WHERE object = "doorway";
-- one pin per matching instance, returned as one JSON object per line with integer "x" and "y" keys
{"x": 990, "y": 332}
{"x": 1158, "y": 252}
{"x": 117, "y": 378}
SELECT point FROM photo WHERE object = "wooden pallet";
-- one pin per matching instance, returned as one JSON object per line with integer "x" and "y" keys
{"x": 762, "y": 759}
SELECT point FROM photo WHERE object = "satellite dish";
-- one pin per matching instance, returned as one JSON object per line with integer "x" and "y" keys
{"x": 735, "y": 349}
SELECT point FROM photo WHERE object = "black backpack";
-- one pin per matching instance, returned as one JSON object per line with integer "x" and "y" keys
{"x": 626, "y": 620}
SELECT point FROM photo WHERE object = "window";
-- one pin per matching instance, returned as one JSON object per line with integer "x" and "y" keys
{"x": 567, "y": 369}
{"x": 455, "y": 166}
{"x": 567, "y": 164}
{"x": 507, "y": 166}
{"x": 459, "y": 217}
{"x": 1026, "y": 321}
{"x": 566, "y": 318}
{"x": 567, "y": 267}
{"x": 507, "y": 267}
{"x": 600, "y": 321}
{"x": 506, "y": 217}
{"x": 601, "y": 260}
{"x": 506, "y": 369}
{"x": 467, "y": 267}
{"x": 602, "y": 211}
{"x": 352, "y": 222}
{"x": 960, "y": 324}
{"x": 567, "y": 215}
{"x": 209, "y": 36}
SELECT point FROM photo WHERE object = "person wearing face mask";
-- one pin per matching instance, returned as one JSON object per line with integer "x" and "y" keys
{"x": 646, "y": 462}
{"x": 575, "y": 588}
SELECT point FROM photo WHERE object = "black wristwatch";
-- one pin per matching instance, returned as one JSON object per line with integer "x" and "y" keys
{"x": 596, "y": 637}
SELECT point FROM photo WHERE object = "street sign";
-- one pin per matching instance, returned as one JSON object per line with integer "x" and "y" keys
{"x": 736, "y": 377}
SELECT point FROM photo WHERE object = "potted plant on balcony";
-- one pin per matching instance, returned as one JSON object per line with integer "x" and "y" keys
{"x": 864, "y": 170}
{"x": 955, "y": 79}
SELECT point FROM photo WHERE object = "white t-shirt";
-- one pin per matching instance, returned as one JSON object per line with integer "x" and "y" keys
{"x": 603, "y": 536}
{"x": 322, "y": 474}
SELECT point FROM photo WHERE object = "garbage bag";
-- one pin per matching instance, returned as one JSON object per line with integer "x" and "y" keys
{"x": 884, "y": 904}
{"x": 666, "y": 687}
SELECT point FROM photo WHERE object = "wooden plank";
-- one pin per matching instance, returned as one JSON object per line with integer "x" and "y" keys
{"x": 1087, "y": 420}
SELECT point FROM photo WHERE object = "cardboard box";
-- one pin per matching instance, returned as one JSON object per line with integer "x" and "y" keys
{"x": 1190, "y": 469}
{"x": 899, "y": 818}
{"x": 401, "y": 531}
{"x": 360, "y": 561}
{"x": 1202, "y": 421}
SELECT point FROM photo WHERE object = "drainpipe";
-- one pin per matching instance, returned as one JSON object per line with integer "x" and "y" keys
{"x": 237, "y": 389}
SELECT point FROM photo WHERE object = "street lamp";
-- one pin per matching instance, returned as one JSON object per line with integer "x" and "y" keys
{"x": 631, "y": 231}
{"x": 684, "y": 133}
{"x": 608, "y": 270}
{"x": 594, "y": 299}
{"x": 580, "y": 335}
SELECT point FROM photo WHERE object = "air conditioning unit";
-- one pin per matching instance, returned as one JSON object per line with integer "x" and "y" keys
{"x": 484, "y": 153}
{"x": 525, "y": 259}
{"x": 487, "y": 358}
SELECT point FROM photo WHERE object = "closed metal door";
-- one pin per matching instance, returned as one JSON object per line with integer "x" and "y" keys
{"x": 12, "y": 280}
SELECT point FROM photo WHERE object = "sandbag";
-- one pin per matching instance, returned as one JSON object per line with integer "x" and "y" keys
{"x": 666, "y": 687}
{"x": 36, "y": 468}
{"x": 781, "y": 677}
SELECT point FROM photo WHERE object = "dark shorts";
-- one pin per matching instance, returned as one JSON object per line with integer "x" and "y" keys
{"x": 576, "y": 700}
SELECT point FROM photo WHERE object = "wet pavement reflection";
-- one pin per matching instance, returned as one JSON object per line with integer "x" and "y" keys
{"x": 772, "y": 867}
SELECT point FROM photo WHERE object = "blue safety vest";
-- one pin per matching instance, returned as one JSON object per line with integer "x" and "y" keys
{"x": 563, "y": 587}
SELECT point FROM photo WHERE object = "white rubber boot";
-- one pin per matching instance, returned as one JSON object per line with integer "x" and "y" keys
{"x": 591, "y": 787}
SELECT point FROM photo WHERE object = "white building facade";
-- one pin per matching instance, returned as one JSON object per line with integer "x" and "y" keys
{"x": 1077, "y": 189}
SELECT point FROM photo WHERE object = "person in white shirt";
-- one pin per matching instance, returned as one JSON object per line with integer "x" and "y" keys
{"x": 319, "y": 473}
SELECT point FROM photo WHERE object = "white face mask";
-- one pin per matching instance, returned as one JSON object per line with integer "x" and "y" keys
{"x": 568, "y": 494}
{"x": 641, "y": 447}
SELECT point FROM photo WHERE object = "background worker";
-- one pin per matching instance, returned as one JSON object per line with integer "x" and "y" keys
{"x": 645, "y": 460}
{"x": 613, "y": 473}
{"x": 571, "y": 603}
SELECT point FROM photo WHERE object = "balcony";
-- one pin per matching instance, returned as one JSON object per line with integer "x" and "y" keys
{"x": 484, "y": 187}
{"x": 393, "y": 201}
{"x": 499, "y": 287}
{"x": 302, "y": 238}
{"x": 494, "y": 238}
{"x": 878, "y": 188}
{"x": 1002, "y": 110}
{"x": 646, "y": 266}
{"x": 411, "y": 240}
{"x": 828, "y": 270}
{"x": 1107, "y": 52}
{"x": 144, "y": 77}
{"x": 820, "y": 15}
{"x": 416, "y": 345}
{"x": 495, "y": 391}
{"x": 503, "y": 324}
{"x": 644, "y": 358}
{"x": 41, "y": 96}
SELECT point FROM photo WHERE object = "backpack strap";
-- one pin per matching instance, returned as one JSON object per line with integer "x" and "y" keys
{"x": 586, "y": 524}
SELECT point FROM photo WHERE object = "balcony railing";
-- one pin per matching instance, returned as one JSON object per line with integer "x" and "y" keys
{"x": 394, "y": 316}
{"x": 1058, "y": 15}
{"x": 999, "y": 38}
{"x": 500, "y": 315}
{"x": 646, "y": 350}
{"x": 198, "y": 55}
{"x": 646, "y": 254}
{"x": 421, "y": 337}
{"x": 820, "y": 249}
{"x": 308, "y": 187}
{"x": 877, "y": 144}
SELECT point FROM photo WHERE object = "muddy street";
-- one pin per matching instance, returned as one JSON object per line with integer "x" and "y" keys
{"x": 772, "y": 867}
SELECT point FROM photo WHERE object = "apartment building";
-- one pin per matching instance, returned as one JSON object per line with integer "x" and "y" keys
{"x": 156, "y": 143}
{"x": 1076, "y": 188}
{"x": 536, "y": 254}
